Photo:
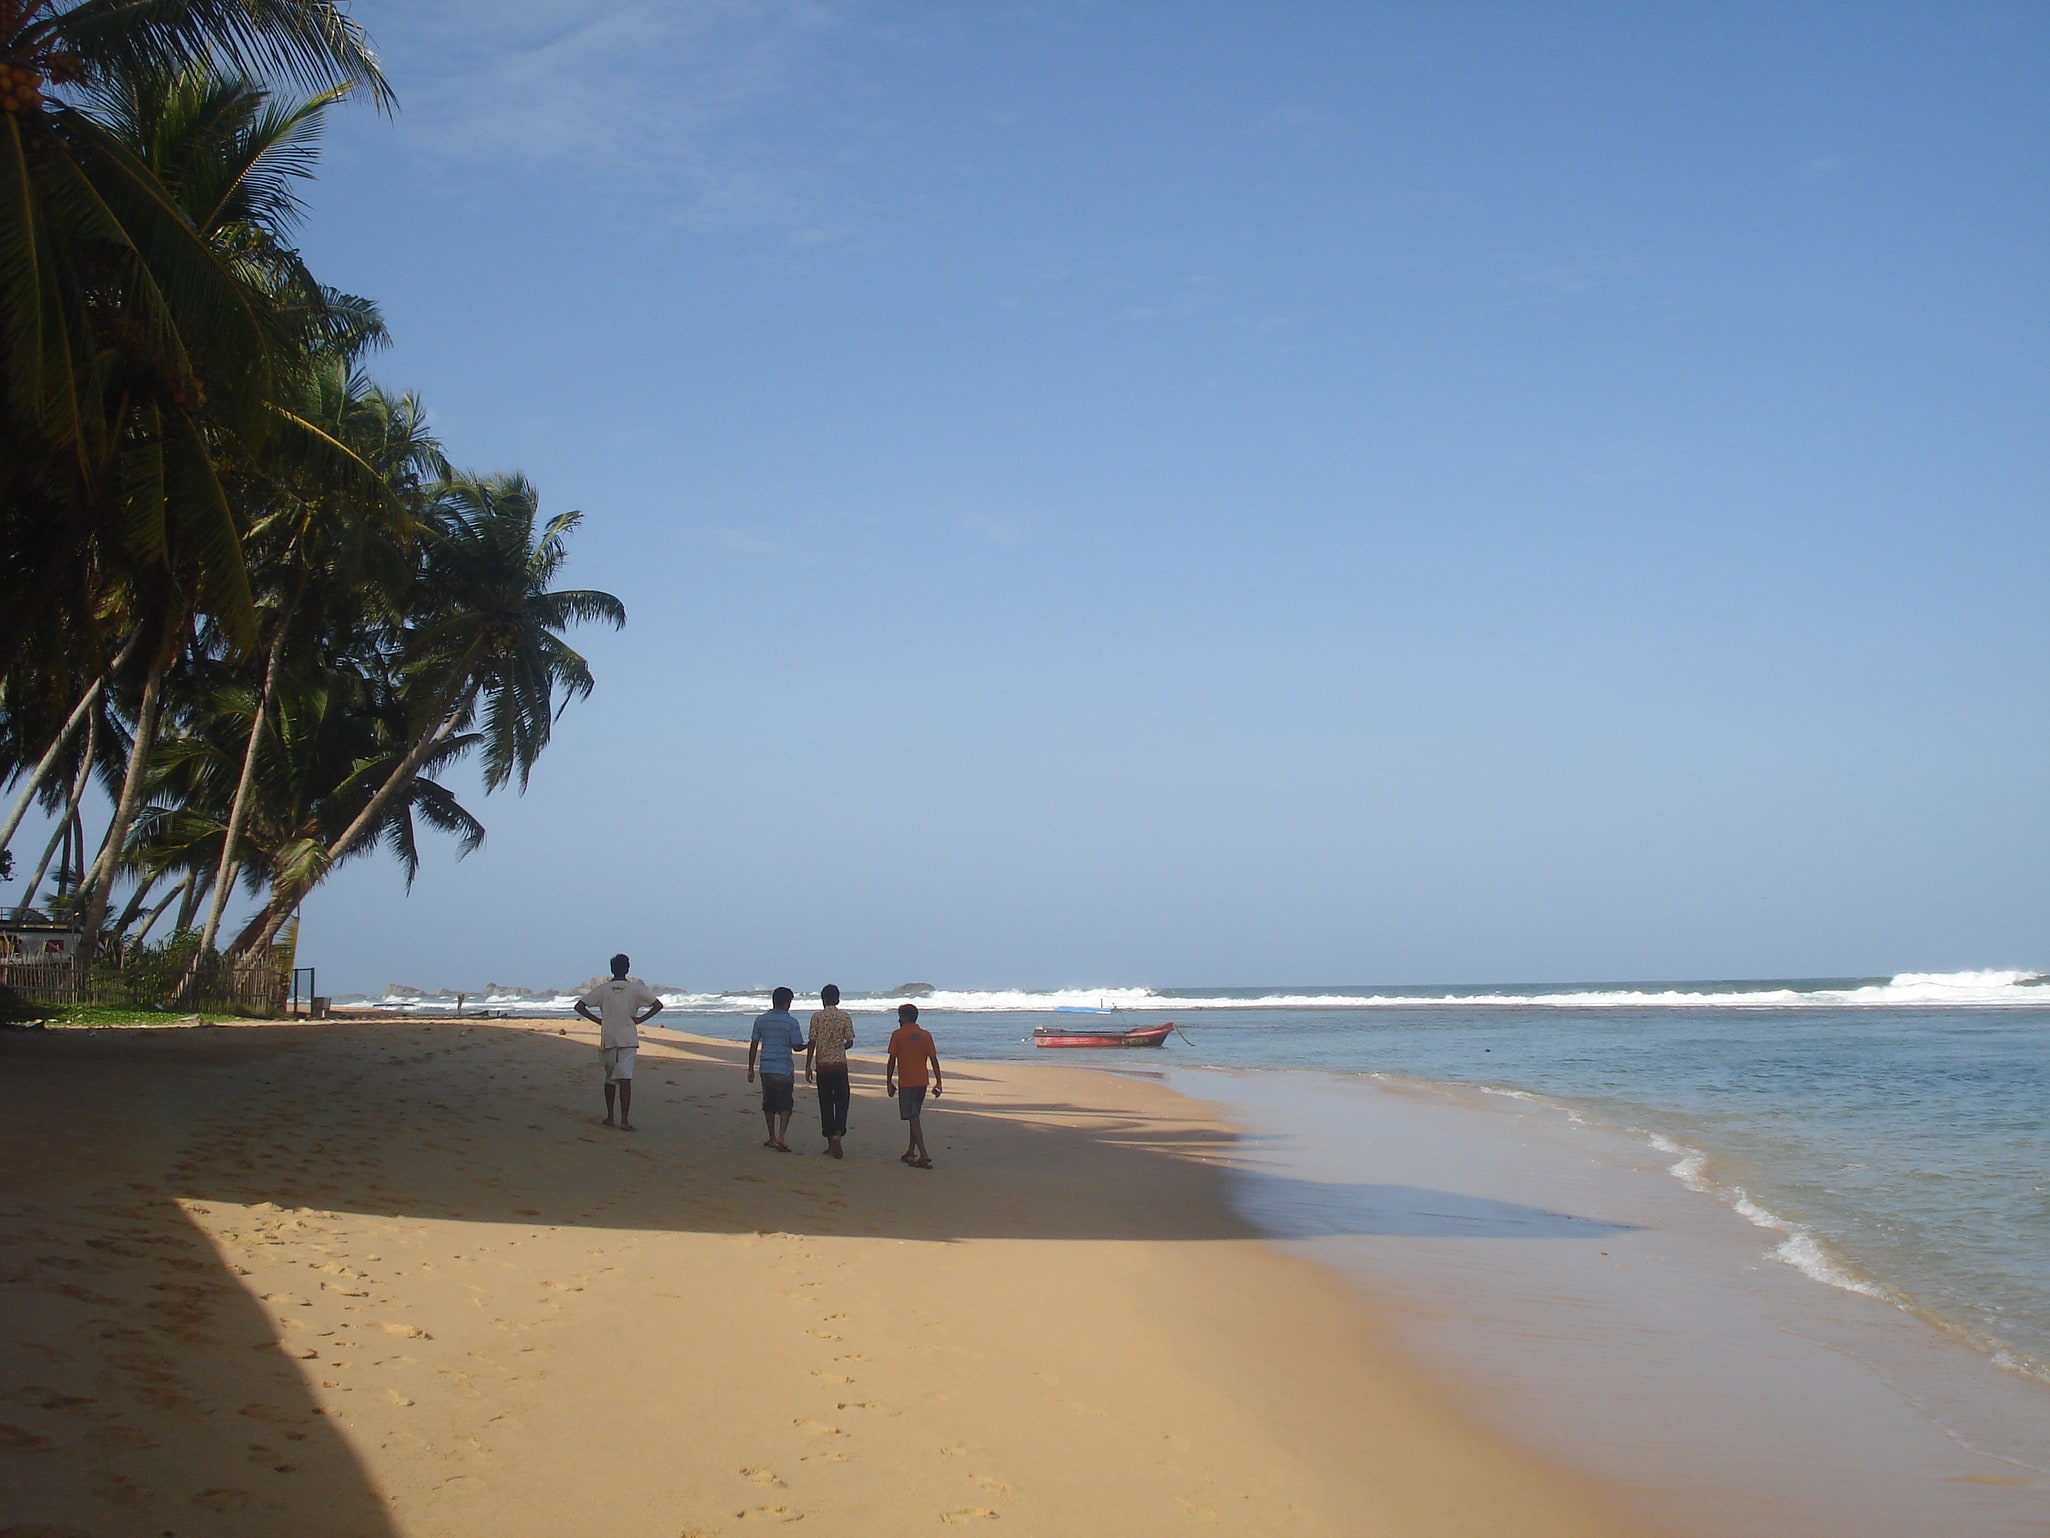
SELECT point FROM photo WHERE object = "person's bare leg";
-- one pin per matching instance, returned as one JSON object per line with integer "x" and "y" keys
{"x": 918, "y": 1141}
{"x": 769, "y": 1121}
{"x": 783, "y": 1130}
{"x": 611, "y": 1090}
{"x": 626, "y": 1105}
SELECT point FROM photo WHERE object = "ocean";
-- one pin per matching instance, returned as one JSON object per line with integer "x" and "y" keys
{"x": 1889, "y": 1136}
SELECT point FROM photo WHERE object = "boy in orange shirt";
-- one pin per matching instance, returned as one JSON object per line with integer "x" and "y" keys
{"x": 904, "y": 1075}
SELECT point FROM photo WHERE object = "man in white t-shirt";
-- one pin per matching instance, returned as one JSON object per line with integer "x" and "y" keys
{"x": 623, "y": 1006}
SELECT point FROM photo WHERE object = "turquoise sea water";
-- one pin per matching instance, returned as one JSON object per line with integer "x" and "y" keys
{"x": 1893, "y": 1134}
{"x": 1903, "y": 1151}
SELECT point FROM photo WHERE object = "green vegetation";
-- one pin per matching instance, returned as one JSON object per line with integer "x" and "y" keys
{"x": 107, "y": 1014}
{"x": 242, "y": 591}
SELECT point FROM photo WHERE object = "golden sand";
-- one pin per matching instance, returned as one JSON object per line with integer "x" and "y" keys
{"x": 391, "y": 1278}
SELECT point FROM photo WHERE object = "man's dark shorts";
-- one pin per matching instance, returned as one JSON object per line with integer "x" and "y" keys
{"x": 779, "y": 1091}
{"x": 910, "y": 1101}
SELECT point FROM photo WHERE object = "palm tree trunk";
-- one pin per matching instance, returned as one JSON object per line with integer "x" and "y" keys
{"x": 131, "y": 798}
{"x": 70, "y": 814}
{"x": 135, "y": 902}
{"x": 262, "y": 929}
{"x": 224, "y": 877}
{"x": 63, "y": 836}
{"x": 157, "y": 912}
{"x": 188, "y": 910}
{"x": 47, "y": 765}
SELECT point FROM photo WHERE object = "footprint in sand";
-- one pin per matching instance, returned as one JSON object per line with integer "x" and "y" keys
{"x": 216, "y": 1498}
{"x": 968, "y": 1514}
{"x": 993, "y": 1486}
{"x": 117, "y": 1490}
{"x": 118, "y": 1439}
{"x": 816, "y": 1428}
{"x": 760, "y": 1476}
{"x": 770, "y": 1514}
{"x": 823, "y": 1334}
{"x": 50, "y": 1399}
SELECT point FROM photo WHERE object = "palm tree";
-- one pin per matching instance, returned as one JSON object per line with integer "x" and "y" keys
{"x": 123, "y": 330}
{"x": 229, "y": 157}
{"x": 343, "y": 457}
{"x": 129, "y": 340}
{"x": 328, "y": 553}
{"x": 482, "y": 648}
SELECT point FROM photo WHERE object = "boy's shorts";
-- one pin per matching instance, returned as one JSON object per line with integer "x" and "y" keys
{"x": 910, "y": 1101}
{"x": 618, "y": 1061}
{"x": 779, "y": 1091}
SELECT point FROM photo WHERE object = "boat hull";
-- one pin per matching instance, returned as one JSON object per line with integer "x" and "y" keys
{"x": 1140, "y": 1036}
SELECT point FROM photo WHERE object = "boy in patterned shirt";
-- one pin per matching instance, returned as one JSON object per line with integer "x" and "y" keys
{"x": 832, "y": 1033}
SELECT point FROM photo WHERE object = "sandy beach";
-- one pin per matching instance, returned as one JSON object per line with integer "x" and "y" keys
{"x": 391, "y": 1278}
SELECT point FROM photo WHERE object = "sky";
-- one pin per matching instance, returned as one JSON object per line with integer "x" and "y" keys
{"x": 1183, "y": 493}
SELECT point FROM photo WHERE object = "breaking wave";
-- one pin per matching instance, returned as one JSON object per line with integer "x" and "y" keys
{"x": 1968, "y": 990}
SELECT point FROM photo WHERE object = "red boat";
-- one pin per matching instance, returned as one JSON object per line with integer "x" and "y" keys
{"x": 1137, "y": 1036}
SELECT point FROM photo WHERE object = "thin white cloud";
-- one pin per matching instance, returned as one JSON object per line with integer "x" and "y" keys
{"x": 1577, "y": 275}
{"x": 695, "y": 100}
{"x": 732, "y": 541}
{"x": 995, "y": 530}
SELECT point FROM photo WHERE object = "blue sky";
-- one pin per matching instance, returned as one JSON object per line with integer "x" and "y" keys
{"x": 1182, "y": 493}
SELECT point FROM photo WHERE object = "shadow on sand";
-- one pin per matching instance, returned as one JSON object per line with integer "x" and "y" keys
{"x": 124, "y": 1316}
{"x": 1289, "y": 1208}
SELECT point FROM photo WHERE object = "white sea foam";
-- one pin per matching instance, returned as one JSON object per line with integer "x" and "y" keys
{"x": 1974, "y": 990}
{"x": 1797, "y": 1247}
{"x": 1691, "y": 1166}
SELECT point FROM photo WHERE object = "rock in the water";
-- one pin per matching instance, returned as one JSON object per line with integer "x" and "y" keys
{"x": 911, "y": 991}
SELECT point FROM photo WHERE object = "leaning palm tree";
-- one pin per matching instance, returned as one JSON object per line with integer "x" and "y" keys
{"x": 130, "y": 341}
{"x": 329, "y": 552}
{"x": 482, "y": 650}
{"x": 229, "y": 158}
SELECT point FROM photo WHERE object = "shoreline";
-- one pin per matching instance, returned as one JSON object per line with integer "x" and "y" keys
{"x": 1597, "y": 1307}
{"x": 391, "y": 1278}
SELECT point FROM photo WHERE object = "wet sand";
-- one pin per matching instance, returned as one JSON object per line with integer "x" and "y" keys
{"x": 1594, "y": 1306}
{"x": 391, "y": 1278}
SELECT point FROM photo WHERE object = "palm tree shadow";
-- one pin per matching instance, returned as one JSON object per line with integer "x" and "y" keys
{"x": 144, "y": 1388}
